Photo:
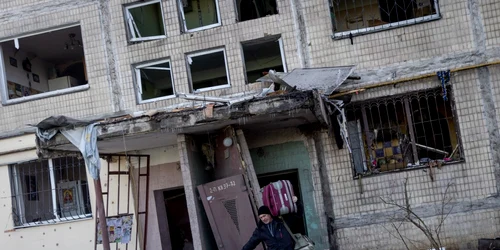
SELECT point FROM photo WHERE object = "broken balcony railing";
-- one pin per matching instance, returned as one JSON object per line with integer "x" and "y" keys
{"x": 401, "y": 132}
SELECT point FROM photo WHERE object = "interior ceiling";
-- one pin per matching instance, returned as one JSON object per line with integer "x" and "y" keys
{"x": 49, "y": 46}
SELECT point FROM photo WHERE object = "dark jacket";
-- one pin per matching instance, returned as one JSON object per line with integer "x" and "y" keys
{"x": 282, "y": 240}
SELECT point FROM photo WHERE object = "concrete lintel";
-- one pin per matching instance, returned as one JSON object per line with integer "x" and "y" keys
{"x": 297, "y": 105}
{"x": 415, "y": 69}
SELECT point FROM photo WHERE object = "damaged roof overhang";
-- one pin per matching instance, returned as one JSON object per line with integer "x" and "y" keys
{"x": 325, "y": 80}
{"x": 161, "y": 128}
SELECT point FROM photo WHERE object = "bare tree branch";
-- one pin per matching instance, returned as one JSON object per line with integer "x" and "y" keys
{"x": 433, "y": 235}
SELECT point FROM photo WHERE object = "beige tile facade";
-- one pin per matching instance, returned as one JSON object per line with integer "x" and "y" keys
{"x": 459, "y": 30}
{"x": 451, "y": 34}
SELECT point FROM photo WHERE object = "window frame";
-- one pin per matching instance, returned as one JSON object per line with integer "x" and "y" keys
{"x": 279, "y": 39}
{"x": 389, "y": 26}
{"x": 183, "y": 19}
{"x": 130, "y": 27}
{"x": 138, "y": 83}
{"x": 16, "y": 190}
{"x": 406, "y": 99}
{"x": 189, "y": 57}
{"x": 238, "y": 12}
{"x": 3, "y": 73}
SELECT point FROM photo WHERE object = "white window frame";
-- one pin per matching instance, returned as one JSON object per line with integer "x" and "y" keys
{"x": 129, "y": 20}
{"x": 206, "y": 52}
{"x": 183, "y": 18}
{"x": 418, "y": 20}
{"x": 20, "y": 202}
{"x": 3, "y": 73}
{"x": 138, "y": 82}
{"x": 282, "y": 53}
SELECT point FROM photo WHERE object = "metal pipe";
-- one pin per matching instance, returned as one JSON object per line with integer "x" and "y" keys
{"x": 431, "y": 149}
{"x": 201, "y": 98}
{"x": 101, "y": 214}
{"x": 241, "y": 99}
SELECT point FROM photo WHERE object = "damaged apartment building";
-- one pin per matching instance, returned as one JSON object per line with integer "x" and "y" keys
{"x": 167, "y": 117}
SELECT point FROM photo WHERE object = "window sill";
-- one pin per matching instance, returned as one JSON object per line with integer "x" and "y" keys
{"x": 358, "y": 32}
{"x": 417, "y": 167}
{"x": 146, "y": 39}
{"x": 225, "y": 86}
{"x": 203, "y": 28}
{"x": 54, "y": 222}
{"x": 46, "y": 95}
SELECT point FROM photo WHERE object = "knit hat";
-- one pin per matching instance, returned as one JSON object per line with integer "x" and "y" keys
{"x": 264, "y": 210}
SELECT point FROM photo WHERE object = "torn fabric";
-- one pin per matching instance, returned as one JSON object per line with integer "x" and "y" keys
{"x": 84, "y": 138}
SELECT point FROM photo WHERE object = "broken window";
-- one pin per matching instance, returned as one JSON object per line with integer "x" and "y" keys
{"x": 154, "y": 81}
{"x": 145, "y": 21}
{"x": 49, "y": 191}
{"x": 262, "y": 55}
{"x": 208, "y": 70}
{"x": 199, "y": 14}
{"x": 253, "y": 9}
{"x": 403, "y": 132}
{"x": 35, "y": 65}
{"x": 360, "y": 16}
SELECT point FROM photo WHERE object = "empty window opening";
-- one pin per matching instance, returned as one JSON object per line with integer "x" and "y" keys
{"x": 253, "y": 9}
{"x": 178, "y": 219}
{"x": 262, "y": 55}
{"x": 145, "y": 21}
{"x": 42, "y": 63}
{"x": 365, "y": 15}
{"x": 403, "y": 132}
{"x": 154, "y": 81}
{"x": 295, "y": 221}
{"x": 49, "y": 191}
{"x": 199, "y": 14}
{"x": 208, "y": 70}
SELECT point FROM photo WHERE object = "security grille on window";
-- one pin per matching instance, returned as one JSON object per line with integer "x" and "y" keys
{"x": 49, "y": 191}
{"x": 145, "y": 21}
{"x": 208, "y": 70}
{"x": 361, "y": 16}
{"x": 403, "y": 132}
{"x": 154, "y": 81}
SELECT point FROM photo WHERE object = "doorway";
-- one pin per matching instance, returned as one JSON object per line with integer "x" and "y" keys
{"x": 178, "y": 219}
{"x": 295, "y": 221}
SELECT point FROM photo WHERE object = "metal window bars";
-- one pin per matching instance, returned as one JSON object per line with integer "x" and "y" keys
{"x": 125, "y": 191}
{"x": 49, "y": 191}
{"x": 404, "y": 131}
{"x": 351, "y": 17}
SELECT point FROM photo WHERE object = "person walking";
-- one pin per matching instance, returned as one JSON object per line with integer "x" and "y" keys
{"x": 271, "y": 231}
